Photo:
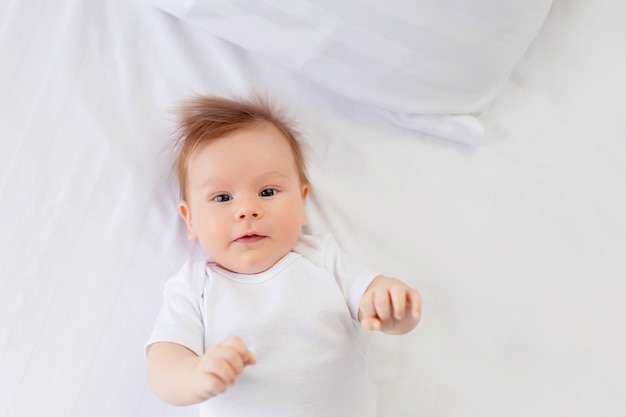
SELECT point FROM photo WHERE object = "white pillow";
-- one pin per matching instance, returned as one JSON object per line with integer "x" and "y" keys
{"x": 430, "y": 65}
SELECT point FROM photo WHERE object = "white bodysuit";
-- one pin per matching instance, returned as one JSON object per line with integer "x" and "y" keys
{"x": 299, "y": 318}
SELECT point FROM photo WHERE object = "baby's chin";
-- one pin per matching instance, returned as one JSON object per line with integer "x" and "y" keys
{"x": 251, "y": 266}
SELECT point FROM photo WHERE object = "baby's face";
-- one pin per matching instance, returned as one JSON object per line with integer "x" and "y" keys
{"x": 245, "y": 204}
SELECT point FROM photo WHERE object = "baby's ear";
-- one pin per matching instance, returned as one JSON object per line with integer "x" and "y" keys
{"x": 185, "y": 213}
{"x": 305, "y": 194}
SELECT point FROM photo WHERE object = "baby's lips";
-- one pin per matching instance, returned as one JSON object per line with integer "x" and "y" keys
{"x": 249, "y": 238}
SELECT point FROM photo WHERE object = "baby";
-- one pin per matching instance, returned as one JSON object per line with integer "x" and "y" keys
{"x": 268, "y": 325}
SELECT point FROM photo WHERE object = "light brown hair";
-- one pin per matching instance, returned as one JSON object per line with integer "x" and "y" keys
{"x": 206, "y": 118}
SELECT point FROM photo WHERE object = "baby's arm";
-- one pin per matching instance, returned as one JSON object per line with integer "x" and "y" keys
{"x": 390, "y": 305}
{"x": 180, "y": 377}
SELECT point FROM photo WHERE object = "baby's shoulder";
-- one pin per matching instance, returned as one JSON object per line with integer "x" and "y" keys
{"x": 191, "y": 274}
{"x": 318, "y": 248}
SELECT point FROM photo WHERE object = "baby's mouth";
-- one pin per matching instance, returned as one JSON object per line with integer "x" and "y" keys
{"x": 251, "y": 238}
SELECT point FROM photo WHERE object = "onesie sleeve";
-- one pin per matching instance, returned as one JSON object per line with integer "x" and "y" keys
{"x": 352, "y": 277}
{"x": 180, "y": 318}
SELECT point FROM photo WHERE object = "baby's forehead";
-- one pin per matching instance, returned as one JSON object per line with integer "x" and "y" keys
{"x": 260, "y": 131}
{"x": 254, "y": 145}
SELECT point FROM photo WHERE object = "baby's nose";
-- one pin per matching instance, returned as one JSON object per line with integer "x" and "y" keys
{"x": 248, "y": 209}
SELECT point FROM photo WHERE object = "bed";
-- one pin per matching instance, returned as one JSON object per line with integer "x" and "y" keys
{"x": 506, "y": 208}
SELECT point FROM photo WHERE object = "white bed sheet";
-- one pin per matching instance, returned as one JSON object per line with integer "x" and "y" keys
{"x": 517, "y": 246}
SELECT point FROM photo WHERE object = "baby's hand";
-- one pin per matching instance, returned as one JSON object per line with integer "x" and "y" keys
{"x": 220, "y": 366}
{"x": 390, "y": 305}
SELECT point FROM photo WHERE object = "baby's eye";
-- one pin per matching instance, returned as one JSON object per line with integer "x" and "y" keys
{"x": 268, "y": 192}
{"x": 222, "y": 198}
